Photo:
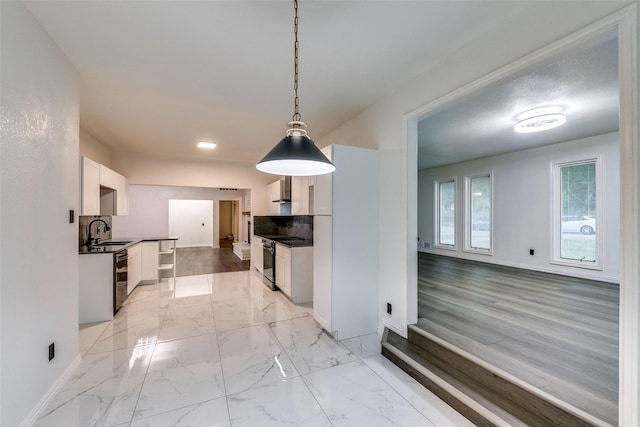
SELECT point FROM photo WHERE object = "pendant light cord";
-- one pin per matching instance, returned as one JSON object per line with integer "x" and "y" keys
{"x": 296, "y": 115}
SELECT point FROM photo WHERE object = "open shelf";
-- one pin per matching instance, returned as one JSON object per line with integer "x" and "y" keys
{"x": 165, "y": 253}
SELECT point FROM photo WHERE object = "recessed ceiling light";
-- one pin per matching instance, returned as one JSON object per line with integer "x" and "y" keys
{"x": 539, "y": 119}
{"x": 208, "y": 145}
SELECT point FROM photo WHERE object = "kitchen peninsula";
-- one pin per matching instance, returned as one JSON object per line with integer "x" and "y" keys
{"x": 110, "y": 270}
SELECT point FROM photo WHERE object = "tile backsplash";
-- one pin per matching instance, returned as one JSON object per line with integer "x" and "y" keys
{"x": 300, "y": 226}
{"x": 98, "y": 228}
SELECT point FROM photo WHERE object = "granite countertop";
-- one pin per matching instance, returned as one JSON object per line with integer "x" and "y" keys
{"x": 106, "y": 249}
{"x": 291, "y": 242}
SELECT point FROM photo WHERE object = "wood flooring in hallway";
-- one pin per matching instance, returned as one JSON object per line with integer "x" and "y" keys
{"x": 207, "y": 260}
{"x": 557, "y": 333}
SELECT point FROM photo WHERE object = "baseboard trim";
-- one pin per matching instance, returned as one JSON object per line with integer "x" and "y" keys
{"x": 579, "y": 274}
{"x": 398, "y": 329}
{"x": 46, "y": 398}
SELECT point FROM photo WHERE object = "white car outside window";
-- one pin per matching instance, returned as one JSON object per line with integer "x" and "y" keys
{"x": 578, "y": 224}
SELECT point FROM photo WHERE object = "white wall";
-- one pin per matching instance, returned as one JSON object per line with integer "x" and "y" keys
{"x": 195, "y": 173}
{"x": 39, "y": 247}
{"x": 94, "y": 149}
{"x": 149, "y": 209}
{"x": 523, "y": 28}
{"x": 522, "y": 204}
{"x": 192, "y": 220}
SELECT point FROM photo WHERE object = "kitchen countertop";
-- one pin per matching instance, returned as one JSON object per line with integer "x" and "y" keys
{"x": 84, "y": 249}
{"x": 291, "y": 242}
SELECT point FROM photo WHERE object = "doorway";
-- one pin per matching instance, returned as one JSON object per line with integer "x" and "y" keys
{"x": 229, "y": 222}
{"x": 624, "y": 23}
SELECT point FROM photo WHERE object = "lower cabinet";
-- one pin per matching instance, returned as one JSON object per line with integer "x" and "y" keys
{"x": 283, "y": 269}
{"x": 149, "y": 261}
{"x": 95, "y": 296}
{"x": 294, "y": 272}
{"x": 257, "y": 255}
{"x": 142, "y": 263}
{"x": 134, "y": 266}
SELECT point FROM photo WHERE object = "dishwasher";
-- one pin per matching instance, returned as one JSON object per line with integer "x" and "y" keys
{"x": 269, "y": 263}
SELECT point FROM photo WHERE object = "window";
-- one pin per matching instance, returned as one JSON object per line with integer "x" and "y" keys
{"x": 576, "y": 207}
{"x": 478, "y": 213}
{"x": 446, "y": 213}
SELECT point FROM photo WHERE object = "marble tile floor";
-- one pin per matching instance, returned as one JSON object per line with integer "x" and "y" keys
{"x": 223, "y": 350}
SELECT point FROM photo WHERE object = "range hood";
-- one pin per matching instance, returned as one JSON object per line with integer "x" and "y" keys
{"x": 285, "y": 191}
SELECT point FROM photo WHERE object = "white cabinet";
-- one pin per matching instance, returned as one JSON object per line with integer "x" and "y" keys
{"x": 283, "y": 269}
{"x": 108, "y": 178}
{"x": 103, "y": 191}
{"x": 114, "y": 202}
{"x": 294, "y": 272}
{"x": 89, "y": 187}
{"x": 322, "y": 271}
{"x": 345, "y": 244}
{"x": 257, "y": 256}
{"x": 134, "y": 266}
{"x": 149, "y": 261}
{"x": 122, "y": 196}
{"x": 301, "y": 187}
{"x": 273, "y": 193}
{"x": 142, "y": 263}
{"x": 322, "y": 188}
{"x": 95, "y": 296}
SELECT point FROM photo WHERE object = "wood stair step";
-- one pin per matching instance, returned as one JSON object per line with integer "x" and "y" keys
{"x": 473, "y": 389}
{"x": 518, "y": 372}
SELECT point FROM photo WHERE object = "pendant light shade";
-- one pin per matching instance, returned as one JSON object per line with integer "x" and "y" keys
{"x": 296, "y": 154}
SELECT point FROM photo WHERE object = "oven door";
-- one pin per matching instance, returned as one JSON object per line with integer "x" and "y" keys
{"x": 268, "y": 263}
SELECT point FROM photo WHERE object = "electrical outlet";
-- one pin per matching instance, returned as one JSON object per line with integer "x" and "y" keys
{"x": 531, "y": 251}
{"x": 72, "y": 215}
{"x": 52, "y": 351}
{"x": 388, "y": 308}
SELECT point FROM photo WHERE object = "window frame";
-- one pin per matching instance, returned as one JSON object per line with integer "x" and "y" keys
{"x": 468, "y": 228}
{"x": 556, "y": 214}
{"x": 437, "y": 197}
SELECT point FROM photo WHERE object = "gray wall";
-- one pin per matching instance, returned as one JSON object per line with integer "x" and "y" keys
{"x": 522, "y": 204}
{"x": 39, "y": 247}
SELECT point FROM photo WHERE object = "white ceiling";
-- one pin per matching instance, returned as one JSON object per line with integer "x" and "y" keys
{"x": 583, "y": 83}
{"x": 158, "y": 76}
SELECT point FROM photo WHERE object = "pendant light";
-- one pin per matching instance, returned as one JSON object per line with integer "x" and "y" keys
{"x": 296, "y": 154}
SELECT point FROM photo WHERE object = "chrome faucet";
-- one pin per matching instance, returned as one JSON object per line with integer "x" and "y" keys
{"x": 97, "y": 239}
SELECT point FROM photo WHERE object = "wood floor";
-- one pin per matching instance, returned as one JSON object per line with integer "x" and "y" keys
{"x": 206, "y": 260}
{"x": 557, "y": 333}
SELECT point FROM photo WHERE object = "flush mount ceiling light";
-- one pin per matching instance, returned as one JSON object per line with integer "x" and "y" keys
{"x": 296, "y": 154}
{"x": 539, "y": 119}
{"x": 208, "y": 145}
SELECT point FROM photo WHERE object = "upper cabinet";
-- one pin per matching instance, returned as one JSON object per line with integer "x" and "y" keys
{"x": 108, "y": 178}
{"x": 301, "y": 195}
{"x": 102, "y": 186}
{"x": 273, "y": 193}
{"x": 122, "y": 196}
{"x": 89, "y": 187}
{"x": 323, "y": 189}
